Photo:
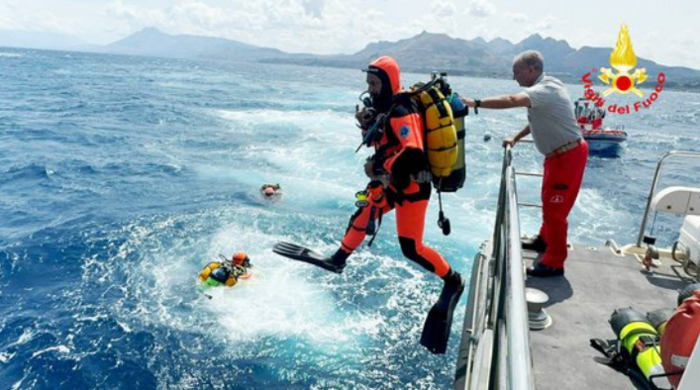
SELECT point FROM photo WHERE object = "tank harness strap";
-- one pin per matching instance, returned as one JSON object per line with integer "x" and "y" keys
{"x": 664, "y": 375}
{"x": 613, "y": 357}
{"x": 435, "y": 97}
{"x": 606, "y": 347}
{"x": 461, "y": 113}
{"x": 379, "y": 224}
{"x": 422, "y": 194}
{"x": 391, "y": 142}
{"x": 351, "y": 224}
{"x": 377, "y": 198}
{"x": 638, "y": 379}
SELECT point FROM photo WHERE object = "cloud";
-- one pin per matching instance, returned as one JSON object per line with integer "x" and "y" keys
{"x": 443, "y": 17}
{"x": 547, "y": 23}
{"x": 444, "y": 9}
{"x": 15, "y": 15}
{"x": 678, "y": 47}
{"x": 516, "y": 17}
{"x": 292, "y": 25}
{"x": 197, "y": 17}
{"x": 8, "y": 21}
{"x": 313, "y": 8}
{"x": 481, "y": 8}
{"x": 190, "y": 16}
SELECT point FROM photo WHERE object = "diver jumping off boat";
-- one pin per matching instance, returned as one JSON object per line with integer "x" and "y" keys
{"x": 391, "y": 122}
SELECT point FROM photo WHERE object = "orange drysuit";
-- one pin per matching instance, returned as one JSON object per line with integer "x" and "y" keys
{"x": 399, "y": 152}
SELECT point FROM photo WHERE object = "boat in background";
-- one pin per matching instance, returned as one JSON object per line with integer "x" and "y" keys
{"x": 604, "y": 142}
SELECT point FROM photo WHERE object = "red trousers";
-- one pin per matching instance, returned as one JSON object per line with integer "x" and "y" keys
{"x": 410, "y": 223}
{"x": 563, "y": 175}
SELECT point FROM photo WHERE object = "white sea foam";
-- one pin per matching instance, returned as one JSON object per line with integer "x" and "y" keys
{"x": 27, "y": 334}
{"x": 6, "y": 357}
{"x": 59, "y": 348}
{"x": 18, "y": 385}
{"x": 314, "y": 161}
{"x": 589, "y": 221}
{"x": 285, "y": 299}
{"x": 279, "y": 300}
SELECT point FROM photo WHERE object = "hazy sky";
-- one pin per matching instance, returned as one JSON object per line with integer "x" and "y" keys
{"x": 666, "y": 32}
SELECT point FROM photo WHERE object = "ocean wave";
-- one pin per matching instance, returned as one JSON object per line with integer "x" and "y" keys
{"x": 11, "y": 55}
{"x": 25, "y": 172}
{"x": 255, "y": 119}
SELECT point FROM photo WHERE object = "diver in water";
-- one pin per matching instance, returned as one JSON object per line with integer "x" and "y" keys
{"x": 271, "y": 190}
{"x": 226, "y": 272}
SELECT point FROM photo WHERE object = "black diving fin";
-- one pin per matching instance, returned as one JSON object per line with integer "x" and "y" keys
{"x": 299, "y": 253}
{"x": 436, "y": 331}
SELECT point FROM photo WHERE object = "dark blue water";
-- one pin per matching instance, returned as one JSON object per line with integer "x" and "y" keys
{"x": 120, "y": 177}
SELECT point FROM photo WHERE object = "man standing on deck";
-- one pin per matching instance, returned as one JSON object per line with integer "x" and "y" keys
{"x": 557, "y": 136}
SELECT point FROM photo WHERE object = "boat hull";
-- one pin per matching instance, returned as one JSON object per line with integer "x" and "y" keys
{"x": 605, "y": 143}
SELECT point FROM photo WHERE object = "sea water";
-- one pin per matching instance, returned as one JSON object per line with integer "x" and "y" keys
{"x": 121, "y": 177}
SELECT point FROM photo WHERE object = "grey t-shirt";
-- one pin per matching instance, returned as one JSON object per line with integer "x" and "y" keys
{"x": 551, "y": 116}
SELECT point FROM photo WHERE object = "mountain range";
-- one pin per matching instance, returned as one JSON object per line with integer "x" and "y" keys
{"x": 422, "y": 53}
{"x": 42, "y": 40}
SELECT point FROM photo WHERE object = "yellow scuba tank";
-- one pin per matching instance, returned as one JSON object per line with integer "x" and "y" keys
{"x": 440, "y": 132}
{"x": 639, "y": 342}
{"x": 658, "y": 319}
{"x": 206, "y": 276}
{"x": 456, "y": 179}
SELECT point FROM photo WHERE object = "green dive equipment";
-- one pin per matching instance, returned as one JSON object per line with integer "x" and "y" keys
{"x": 638, "y": 342}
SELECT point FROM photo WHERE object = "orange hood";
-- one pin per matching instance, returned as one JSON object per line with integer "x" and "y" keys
{"x": 389, "y": 66}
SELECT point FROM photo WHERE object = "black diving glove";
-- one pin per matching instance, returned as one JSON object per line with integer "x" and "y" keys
{"x": 409, "y": 163}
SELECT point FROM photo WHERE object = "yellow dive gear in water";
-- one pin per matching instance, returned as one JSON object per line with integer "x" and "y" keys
{"x": 206, "y": 276}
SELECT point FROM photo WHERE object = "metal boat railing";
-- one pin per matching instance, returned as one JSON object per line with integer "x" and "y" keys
{"x": 657, "y": 174}
{"x": 498, "y": 352}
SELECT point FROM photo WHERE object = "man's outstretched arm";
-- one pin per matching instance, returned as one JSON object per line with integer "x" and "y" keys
{"x": 499, "y": 102}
